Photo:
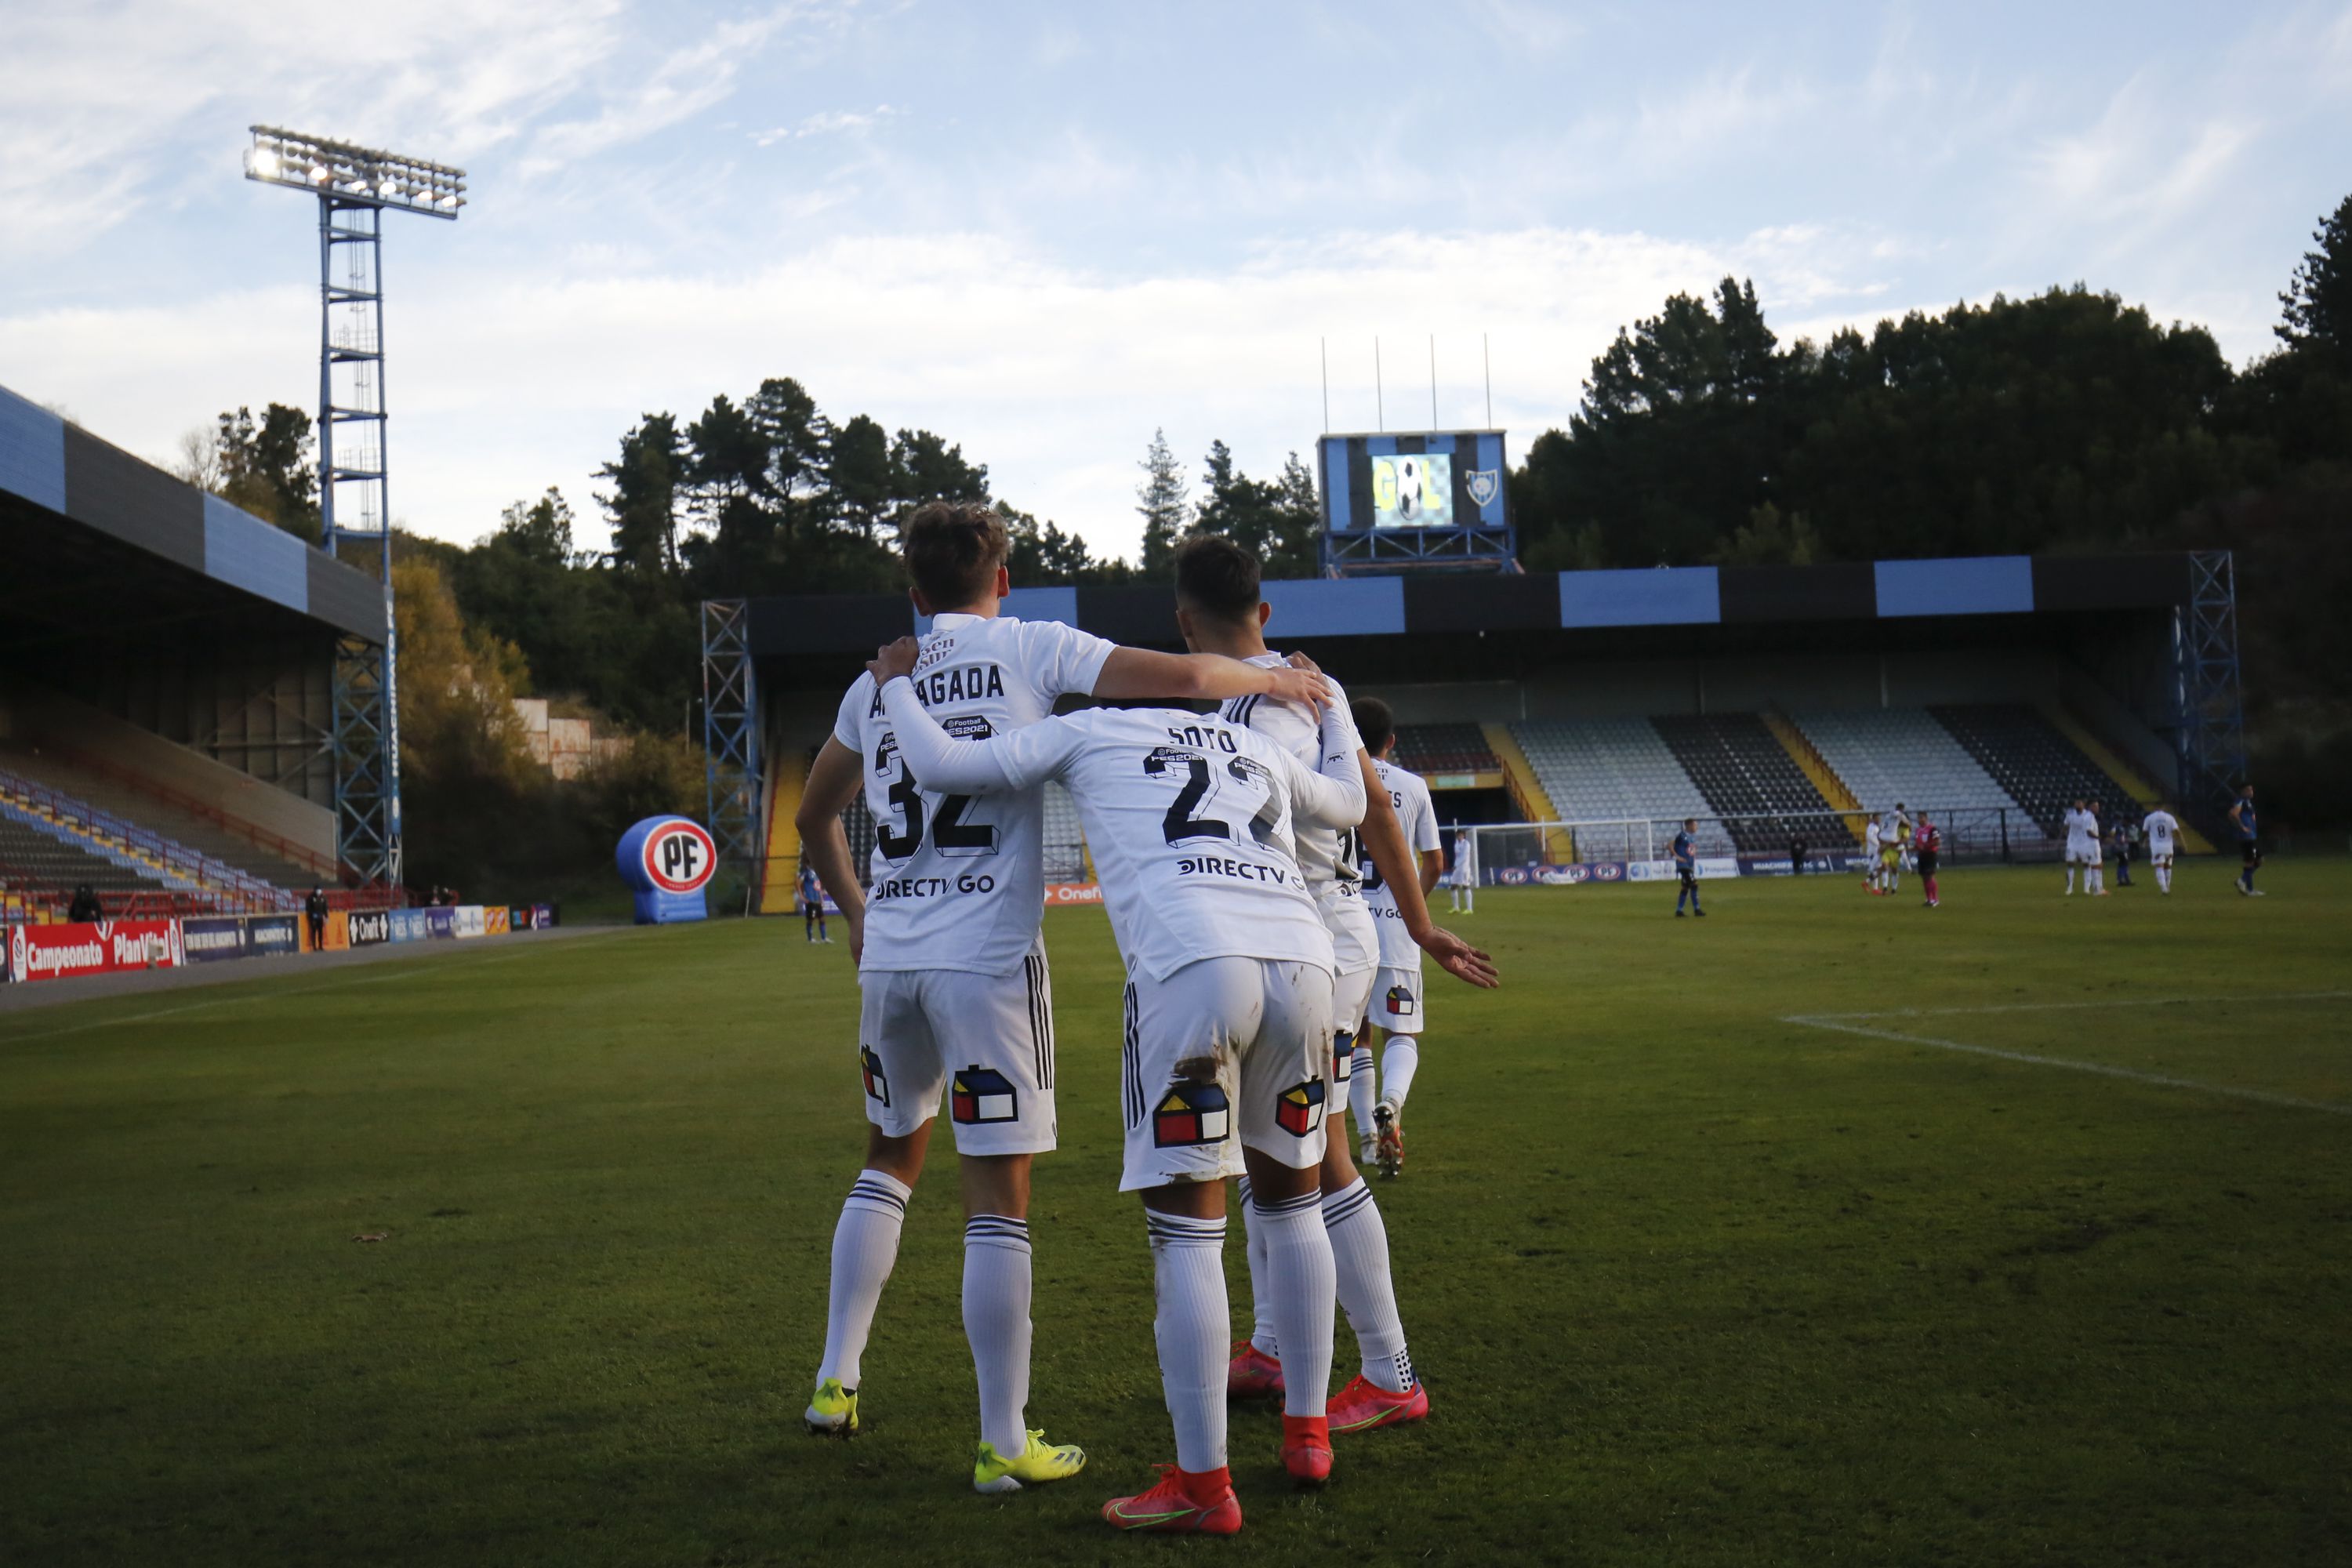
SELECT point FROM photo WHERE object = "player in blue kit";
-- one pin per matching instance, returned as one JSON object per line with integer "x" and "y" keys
{"x": 2242, "y": 817}
{"x": 1686, "y": 869}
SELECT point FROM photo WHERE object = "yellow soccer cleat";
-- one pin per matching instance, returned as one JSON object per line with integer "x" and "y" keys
{"x": 1040, "y": 1462}
{"x": 834, "y": 1412}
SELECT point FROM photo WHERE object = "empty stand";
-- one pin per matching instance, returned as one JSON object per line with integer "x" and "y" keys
{"x": 1749, "y": 777}
{"x": 35, "y": 858}
{"x": 109, "y": 790}
{"x": 1066, "y": 845}
{"x": 1901, "y": 755}
{"x": 2031, "y": 760}
{"x": 1444, "y": 749}
{"x": 1615, "y": 771}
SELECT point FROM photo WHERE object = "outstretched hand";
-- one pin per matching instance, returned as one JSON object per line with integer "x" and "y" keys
{"x": 1459, "y": 958}
{"x": 893, "y": 660}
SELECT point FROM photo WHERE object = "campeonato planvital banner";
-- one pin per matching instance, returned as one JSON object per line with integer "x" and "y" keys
{"x": 100, "y": 947}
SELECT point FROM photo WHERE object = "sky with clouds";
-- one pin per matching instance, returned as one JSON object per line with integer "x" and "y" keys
{"x": 1043, "y": 230}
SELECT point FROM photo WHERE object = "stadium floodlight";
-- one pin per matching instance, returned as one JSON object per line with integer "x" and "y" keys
{"x": 280, "y": 157}
{"x": 355, "y": 186}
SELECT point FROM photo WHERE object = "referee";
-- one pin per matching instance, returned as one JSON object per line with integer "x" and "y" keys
{"x": 1686, "y": 869}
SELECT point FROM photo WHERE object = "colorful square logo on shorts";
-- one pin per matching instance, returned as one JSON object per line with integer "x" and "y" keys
{"x": 877, "y": 1086}
{"x": 1191, "y": 1113}
{"x": 1300, "y": 1110}
{"x": 982, "y": 1094}
{"x": 1400, "y": 1002}
{"x": 1343, "y": 1057}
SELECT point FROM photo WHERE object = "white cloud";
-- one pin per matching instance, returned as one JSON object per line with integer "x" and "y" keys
{"x": 103, "y": 106}
{"x": 685, "y": 83}
{"x": 832, "y": 122}
{"x": 1053, "y": 376}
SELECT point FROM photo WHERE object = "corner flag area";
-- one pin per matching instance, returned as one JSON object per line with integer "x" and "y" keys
{"x": 1830, "y": 1227}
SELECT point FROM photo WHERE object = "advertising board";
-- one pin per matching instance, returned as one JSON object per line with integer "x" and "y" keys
{"x": 100, "y": 947}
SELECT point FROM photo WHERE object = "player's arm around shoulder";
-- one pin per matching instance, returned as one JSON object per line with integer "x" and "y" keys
{"x": 980, "y": 766}
{"x": 1131, "y": 672}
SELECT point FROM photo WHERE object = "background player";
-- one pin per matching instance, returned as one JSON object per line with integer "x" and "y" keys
{"x": 1687, "y": 869}
{"x": 812, "y": 906}
{"x": 1873, "y": 862}
{"x": 2080, "y": 827}
{"x": 1193, "y": 822}
{"x": 1928, "y": 844}
{"x": 1377, "y": 1100}
{"x": 1458, "y": 876}
{"x": 2161, "y": 827}
{"x": 1890, "y": 850}
{"x": 950, "y": 965}
{"x": 2250, "y": 849}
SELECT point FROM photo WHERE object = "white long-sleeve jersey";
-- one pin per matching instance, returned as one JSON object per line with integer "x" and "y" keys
{"x": 1192, "y": 820}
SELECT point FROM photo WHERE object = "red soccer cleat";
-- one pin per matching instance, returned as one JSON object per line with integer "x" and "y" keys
{"x": 1180, "y": 1503}
{"x": 1364, "y": 1406}
{"x": 1252, "y": 1374}
{"x": 1306, "y": 1449}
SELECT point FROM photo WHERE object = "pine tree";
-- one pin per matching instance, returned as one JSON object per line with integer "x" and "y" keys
{"x": 1161, "y": 500}
{"x": 2319, "y": 300}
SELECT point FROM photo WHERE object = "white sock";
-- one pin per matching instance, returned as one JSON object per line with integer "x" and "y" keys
{"x": 1360, "y": 1251}
{"x": 2070, "y": 880}
{"x": 1305, "y": 1292}
{"x": 1398, "y": 1064}
{"x": 864, "y": 1245}
{"x": 1364, "y": 1086}
{"x": 1262, "y": 1333}
{"x": 1188, "y": 1259}
{"x": 996, "y": 1321}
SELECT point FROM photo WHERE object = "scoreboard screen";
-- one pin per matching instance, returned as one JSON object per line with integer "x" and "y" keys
{"x": 1412, "y": 492}
{"x": 1435, "y": 482}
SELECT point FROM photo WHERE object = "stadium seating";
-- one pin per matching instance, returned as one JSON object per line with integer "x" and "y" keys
{"x": 1066, "y": 847}
{"x": 152, "y": 861}
{"x": 37, "y": 858}
{"x": 2032, "y": 761}
{"x": 1748, "y": 776}
{"x": 109, "y": 791}
{"x": 1891, "y": 755}
{"x": 1444, "y": 749}
{"x": 1614, "y": 770}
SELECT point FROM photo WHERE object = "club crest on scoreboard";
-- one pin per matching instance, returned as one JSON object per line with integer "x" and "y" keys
{"x": 1484, "y": 484}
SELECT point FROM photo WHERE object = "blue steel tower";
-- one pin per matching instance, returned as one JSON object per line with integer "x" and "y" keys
{"x": 355, "y": 186}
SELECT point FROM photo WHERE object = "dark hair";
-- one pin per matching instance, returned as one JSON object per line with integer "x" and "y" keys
{"x": 953, "y": 550}
{"x": 1214, "y": 576}
{"x": 1375, "y": 723}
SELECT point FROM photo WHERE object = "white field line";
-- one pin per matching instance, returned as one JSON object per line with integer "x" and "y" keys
{"x": 2260, "y": 1096}
{"x": 399, "y": 971}
{"x": 2056, "y": 1007}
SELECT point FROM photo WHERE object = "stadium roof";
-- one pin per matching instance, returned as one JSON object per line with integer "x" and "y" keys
{"x": 94, "y": 537}
{"x": 1663, "y": 597}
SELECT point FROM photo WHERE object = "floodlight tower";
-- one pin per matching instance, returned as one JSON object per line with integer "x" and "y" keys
{"x": 355, "y": 185}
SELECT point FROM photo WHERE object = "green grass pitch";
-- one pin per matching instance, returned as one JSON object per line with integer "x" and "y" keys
{"x": 1690, "y": 1283}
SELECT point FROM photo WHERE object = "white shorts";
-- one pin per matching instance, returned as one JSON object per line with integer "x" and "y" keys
{"x": 2162, "y": 858}
{"x": 1396, "y": 1000}
{"x": 986, "y": 1040}
{"x": 1223, "y": 1053}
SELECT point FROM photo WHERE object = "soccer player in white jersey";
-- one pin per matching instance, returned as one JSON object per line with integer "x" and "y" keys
{"x": 1873, "y": 863}
{"x": 957, "y": 997}
{"x": 2083, "y": 848}
{"x": 2160, "y": 827}
{"x": 1220, "y": 609}
{"x": 1193, "y": 822}
{"x": 1377, "y": 1100}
